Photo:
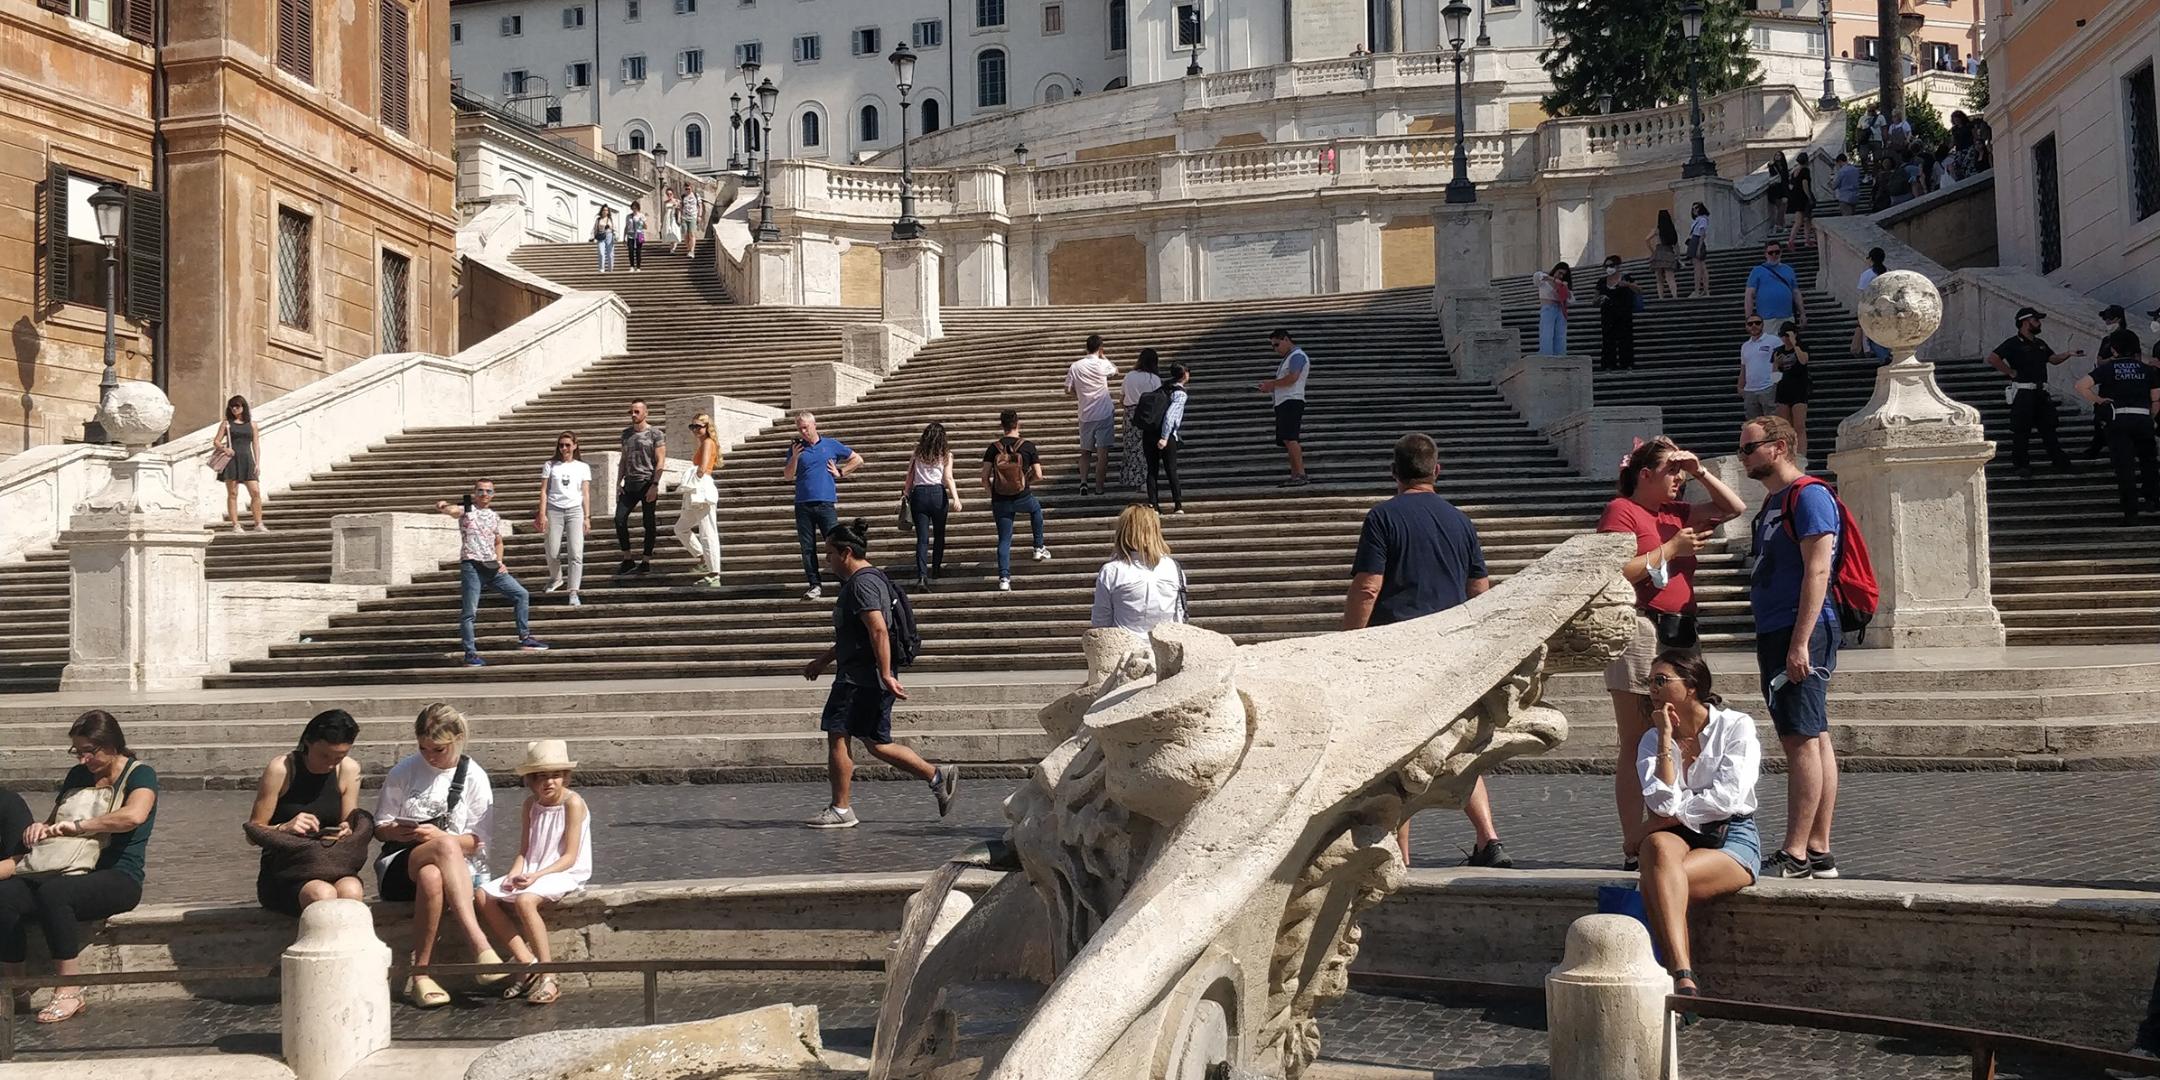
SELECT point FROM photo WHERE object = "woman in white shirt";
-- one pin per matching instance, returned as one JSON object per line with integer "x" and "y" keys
{"x": 1698, "y": 764}
{"x": 1143, "y": 586}
{"x": 567, "y": 491}
{"x": 696, "y": 527}
{"x": 1144, "y": 377}
{"x": 1698, "y": 248}
{"x": 433, "y": 818}
{"x": 932, "y": 495}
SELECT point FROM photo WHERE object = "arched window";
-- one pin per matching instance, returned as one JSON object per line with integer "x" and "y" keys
{"x": 1054, "y": 92}
{"x": 693, "y": 141}
{"x": 1115, "y": 84}
{"x": 990, "y": 79}
{"x": 810, "y": 132}
{"x": 869, "y": 124}
{"x": 637, "y": 140}
{"x": 931, "y": 120}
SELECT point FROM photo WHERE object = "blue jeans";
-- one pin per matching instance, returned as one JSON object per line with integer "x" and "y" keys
{"x": 812, "y": 521}
{"x": 470, "y": 578}
{"x": 1552, "y": 330}
{"x": 1005, "y": 510}
{"x": 931, "y": 505}
{"x": 607, "y": 254}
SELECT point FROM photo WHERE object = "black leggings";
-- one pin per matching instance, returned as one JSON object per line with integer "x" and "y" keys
{"x": 61, "y": 905}
{"x": 1166, "y": 458}
{"x": 931, "y": 507}
{"x": 637, "y": 252}
{"x": 633, "y": 495}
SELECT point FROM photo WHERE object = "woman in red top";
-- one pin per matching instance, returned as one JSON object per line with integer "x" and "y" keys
{"x": 1667, "y": 533}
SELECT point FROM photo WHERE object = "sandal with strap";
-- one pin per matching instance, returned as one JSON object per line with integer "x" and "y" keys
{"x": 519, "y": 985}
{"x": 1687, "y": 1019}
{"x": 62, "y": 1008}
{"x": 545, "y": 991}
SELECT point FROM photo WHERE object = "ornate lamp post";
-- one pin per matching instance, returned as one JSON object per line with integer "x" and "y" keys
{"x": 1020, "y": 154}
{"x": 1484, "y": 40}
{"x": 1459, "y": 189}
{"x": 768, "y": 96}
{"x": 734, "y": 134}
{"x": 1829, "y": 99}
{"x": 109, "y": 204}
{"x": 749, "y": 120}
{"x": 1199, "y": 20}
{"x": 1698, "y": 162}
{"x": 903, "y": 65}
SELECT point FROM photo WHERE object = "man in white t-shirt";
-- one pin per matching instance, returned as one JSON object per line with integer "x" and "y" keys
{"x": 1088, "y": 380}
{"x": 1758, "y": 370}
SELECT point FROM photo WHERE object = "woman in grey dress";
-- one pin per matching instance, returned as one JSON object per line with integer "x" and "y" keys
{"x": 237, "y": 436}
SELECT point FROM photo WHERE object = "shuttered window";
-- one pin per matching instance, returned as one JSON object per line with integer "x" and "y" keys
{"x": 396, "y": 66}
{"x": 138, "y": 20}
{"x": 144, "y": 235}
{"x": 53, "y": 243}
{"x": 296, "y": 38}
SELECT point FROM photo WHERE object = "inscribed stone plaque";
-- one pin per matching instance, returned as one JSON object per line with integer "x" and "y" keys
{"x": 1252, "y": 265}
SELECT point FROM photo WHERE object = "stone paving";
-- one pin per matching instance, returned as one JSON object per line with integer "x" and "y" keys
{"x": 2084, "y": 828}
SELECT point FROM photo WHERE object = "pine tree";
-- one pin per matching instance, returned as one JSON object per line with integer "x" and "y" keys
{"x": 1635, "y": 51}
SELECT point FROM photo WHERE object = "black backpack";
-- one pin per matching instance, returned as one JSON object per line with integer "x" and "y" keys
{"x": 900, "y": 628}
{"x": 1152, "y": 409}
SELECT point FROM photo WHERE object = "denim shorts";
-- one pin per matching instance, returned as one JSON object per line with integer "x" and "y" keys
{"x": 1098, "y": 434}
{"x": 858, "y": 708}
{"x": 1744, "y": 843}
{"x": 1799, "y": 711}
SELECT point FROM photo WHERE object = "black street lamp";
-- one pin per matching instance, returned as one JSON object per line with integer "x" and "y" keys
{"x": 109, "y": 203}
{"x": 749, "y": 71}
{"x": 768, "y": 96}
{"x": 1459, "y": 189}
{"x": 903, "y": 65}
{"x": 734, "y": 134}
{"x": 1484, "y": 40}
{"x": 1698, "y": 162}
{"x": 1829, "y": 99}
{"x": 1020, "y": 154}
{"x": 1199, "y": 20}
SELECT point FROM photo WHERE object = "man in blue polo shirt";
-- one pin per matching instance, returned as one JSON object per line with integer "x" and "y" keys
{"x": 815, "y": 466}
{"x": 1773, "y": 289}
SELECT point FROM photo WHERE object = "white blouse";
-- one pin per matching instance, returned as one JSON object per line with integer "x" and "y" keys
{"x": 1136, "y": 598}
{"x": 1721, "y": 782}
{"x": 923, "y": 473}
{"x": 1137, "y": 384}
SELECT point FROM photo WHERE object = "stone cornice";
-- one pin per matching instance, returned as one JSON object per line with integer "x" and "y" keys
{"x": 232, "y": 135}
{"x": 217, "y": 63}
{"x": 483, "y": 127}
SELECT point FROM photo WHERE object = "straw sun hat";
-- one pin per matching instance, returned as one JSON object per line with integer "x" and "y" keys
{"x": 547, "y": 755}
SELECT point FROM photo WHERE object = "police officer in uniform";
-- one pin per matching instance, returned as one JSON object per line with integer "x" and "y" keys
{"x": 2025, "y": 359}
{"x": 2114, "y": 318}
{"x": 2125, "y": 381}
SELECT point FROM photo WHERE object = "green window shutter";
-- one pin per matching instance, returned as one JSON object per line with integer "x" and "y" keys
{"x": 145, "y": 236}
{"x": 55, "y": 245}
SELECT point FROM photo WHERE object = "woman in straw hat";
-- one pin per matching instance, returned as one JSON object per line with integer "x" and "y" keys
{"x": 553, "y": 861}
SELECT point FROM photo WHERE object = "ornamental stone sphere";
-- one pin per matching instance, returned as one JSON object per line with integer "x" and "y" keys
{"x": 135, "y": 414}
{"x": 1900, "y": 309}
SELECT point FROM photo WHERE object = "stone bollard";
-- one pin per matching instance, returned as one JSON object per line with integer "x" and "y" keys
{"x": 1605, "y": 1012}
{"x": 336, "y": 991}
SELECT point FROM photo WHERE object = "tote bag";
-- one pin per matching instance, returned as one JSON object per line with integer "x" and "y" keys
{"x": 60, "y": 856}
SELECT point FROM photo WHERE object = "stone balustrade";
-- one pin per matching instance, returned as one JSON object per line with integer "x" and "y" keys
{"x": 1731, "y": 121}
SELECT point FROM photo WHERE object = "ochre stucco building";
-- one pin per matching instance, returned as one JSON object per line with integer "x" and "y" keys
{"x": 291, "y": 189}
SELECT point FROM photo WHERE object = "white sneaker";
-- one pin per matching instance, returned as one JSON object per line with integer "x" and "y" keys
{"x": 554, "y": 584}
{"x": 814, "y": 593}
{"x": 833, "y": 817}
{"x": 261, "y": 528}
{"x": 1042, "y": 554}
{"x": 1004, "y": 584}
{"x": 575, "y": 602}
{"x": 237, "y": 529}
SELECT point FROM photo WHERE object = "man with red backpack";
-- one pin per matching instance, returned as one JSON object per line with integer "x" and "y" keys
{"x": 1796, "y": 541}
{"x": 1011, "y": 469}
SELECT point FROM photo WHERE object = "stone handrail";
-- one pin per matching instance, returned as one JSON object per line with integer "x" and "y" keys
{"x": 327, "y": 421}
{"x": 870, "y": 192}
{"x": 1731, "y": 120}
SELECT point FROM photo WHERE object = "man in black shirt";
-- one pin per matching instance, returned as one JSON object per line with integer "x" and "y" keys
{"x": 2123, "y": 380}
{"x": 2025, "y": 359}
{"x": 864, "y": 686}
{"x": 1616, "y": 318}
{"x": 2113, "y": 318}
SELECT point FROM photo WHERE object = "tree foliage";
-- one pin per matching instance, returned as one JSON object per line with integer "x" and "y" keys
{"x": 1635, "y": 51}
{"x": 1976, "y": 96}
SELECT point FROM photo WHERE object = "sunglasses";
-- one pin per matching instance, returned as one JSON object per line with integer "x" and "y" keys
{"x": 1747, "y": 449}
{"x": 697, "y": 427}
{"x": 1754, "y": 322}
{"x": 483, "y": 491}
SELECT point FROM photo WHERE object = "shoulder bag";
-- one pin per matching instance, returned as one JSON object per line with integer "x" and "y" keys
{"x": 61, "y": 856}
{"x": 312, "y": 858}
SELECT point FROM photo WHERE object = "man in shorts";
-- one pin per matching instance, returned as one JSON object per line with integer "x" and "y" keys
{"x": 864, "y": 686}
{"x": 1287, "y": 389}
{"x": 1088, "y": 380}
{"x": 1796, "y": 639}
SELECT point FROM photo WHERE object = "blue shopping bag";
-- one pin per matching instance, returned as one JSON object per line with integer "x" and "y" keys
{"x": 1627, "y": 900}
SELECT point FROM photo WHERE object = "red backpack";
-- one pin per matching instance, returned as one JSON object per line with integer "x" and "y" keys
{"x": 1852, "y": 576}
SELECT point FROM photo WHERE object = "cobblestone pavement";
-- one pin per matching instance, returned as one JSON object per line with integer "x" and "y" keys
{"x": 1457, "y": 1042}
{"x": 2083, "y": 828}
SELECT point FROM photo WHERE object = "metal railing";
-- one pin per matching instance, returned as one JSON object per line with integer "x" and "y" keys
{"x": 650, "y": 969}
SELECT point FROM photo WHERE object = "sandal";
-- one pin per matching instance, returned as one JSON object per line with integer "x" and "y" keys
{"x": 1687, "y": 1019}
{"x": 545, "y": 991}
{"x": 519, "y": 985}
{"x": 62, "y": 1008}
{"x": 425, "y": 993}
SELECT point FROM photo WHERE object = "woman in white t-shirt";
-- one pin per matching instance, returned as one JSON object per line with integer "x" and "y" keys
{"x": 932, "y": 495}
{"x": 1143, "y": 378}
{"x": 564, "y": 514}
{"x": 1698, "y": 248}
{"x": 1143, "y": 586}
{"x": 433, "y": 818}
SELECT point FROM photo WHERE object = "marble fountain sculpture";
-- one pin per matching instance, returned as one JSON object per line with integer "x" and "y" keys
{"x": 1196, "y": 852}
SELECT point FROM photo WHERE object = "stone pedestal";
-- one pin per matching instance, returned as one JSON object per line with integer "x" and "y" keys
{"x": 1911, "y": 466}
{"x": 335, "y": 991}
{"x": 1605, "y": 1014}
{"x": 1480, "y": 355}
{"x": 734, "y": 422}
{"x": 1715, "y": 193}
{"x": 390, "y": 549}
{"x": 878, "y": 348}
{"x": 1466, "y": 310}
{"x": 139, "y": 606}
{"x": 1543, "y": 389}
{"x": 1594, "y": 440}
{"x": 1733, "y": 474}
{"x": 911, "y": 274}
{"x": 820, "y": 384}
{"x": 770, "y": 267}
{"x": 982, "y": 269}
{"x": 1462, "y": 249}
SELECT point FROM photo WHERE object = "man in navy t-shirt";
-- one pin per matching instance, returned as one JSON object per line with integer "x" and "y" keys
{"x": 1796, "y": 638}
{"x": 815, "y": 466}
{"x": 1418, "y": 555}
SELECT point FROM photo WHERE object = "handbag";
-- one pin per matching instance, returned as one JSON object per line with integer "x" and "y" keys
{"x": 906, "y": 519}
{"x": 219, "y": 459}
{"x": 61, "y": 856}
{"x": 308, "y": 858}
{"x": 1675, "y": 631}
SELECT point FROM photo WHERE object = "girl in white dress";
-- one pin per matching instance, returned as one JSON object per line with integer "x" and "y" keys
{"x": 553, "y": 861}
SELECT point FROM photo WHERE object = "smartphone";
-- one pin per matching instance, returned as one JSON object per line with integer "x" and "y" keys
{"x": 468, "y": 502}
